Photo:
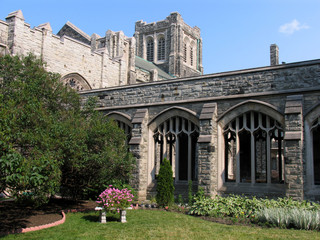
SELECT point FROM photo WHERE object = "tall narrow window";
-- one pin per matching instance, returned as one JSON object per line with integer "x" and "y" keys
{"x": 150, "y": 50}
{"x": 191, "y": 56}
{"x": 253, "y": 149}
{"x": 175, "y": 139}
{"x": 184, "y": 52}
{"x": 316, "y": 151}
{"x": 161, "y": 49}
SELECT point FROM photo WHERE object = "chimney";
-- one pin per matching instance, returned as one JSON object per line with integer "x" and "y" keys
{"x": 274, "y": 55}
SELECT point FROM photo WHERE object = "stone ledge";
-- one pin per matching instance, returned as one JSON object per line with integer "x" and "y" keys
{"x": 204, "y": 138}
{"x": 292, "y": 136}
{"x": 135, "y": 141}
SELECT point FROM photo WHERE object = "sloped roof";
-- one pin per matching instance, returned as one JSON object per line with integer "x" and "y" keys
{"x": 148, "y": 66}
{"x": 74, "y": 32}
{"x": 82, "y": 33}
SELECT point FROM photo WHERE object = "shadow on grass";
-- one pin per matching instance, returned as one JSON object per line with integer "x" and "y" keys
{"x": 94, "y": 218}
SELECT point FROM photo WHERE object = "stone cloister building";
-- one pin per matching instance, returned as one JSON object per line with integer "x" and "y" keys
{"x": 253, "y": 131}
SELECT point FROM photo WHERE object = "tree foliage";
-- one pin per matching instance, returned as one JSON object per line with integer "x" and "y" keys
{"x": 48, "y": 140}
{"x": 165, "y": 187}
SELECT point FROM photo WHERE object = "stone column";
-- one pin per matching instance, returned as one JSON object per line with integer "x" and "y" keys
{"x": 139, "y": 148}
{"x": 293, "y": 147}
{"x": 206, "y": 154}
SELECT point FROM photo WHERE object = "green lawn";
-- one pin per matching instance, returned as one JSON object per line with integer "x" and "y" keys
{"x": 147, "y": 224}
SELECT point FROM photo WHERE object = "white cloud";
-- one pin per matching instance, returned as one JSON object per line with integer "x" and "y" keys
{"x": 290, "y": 28}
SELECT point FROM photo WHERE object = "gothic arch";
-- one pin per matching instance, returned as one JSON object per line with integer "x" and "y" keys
{"x": 122, "y": 117}
{"x": 312, "y": 113}
{"x": 124, "y": 122}
{"x": 76, "y": 82}
{"x": 312, "y": 138}
{"x": 170, "y": 112}
{"x": 251, "y": 105}
{"x": 173, "y": 135}
{"x": 251, "y": 141}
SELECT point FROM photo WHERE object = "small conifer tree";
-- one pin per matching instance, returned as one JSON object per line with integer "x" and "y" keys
{"x": 165, "y": 187}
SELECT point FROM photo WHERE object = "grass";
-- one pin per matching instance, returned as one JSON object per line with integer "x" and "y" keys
{"x": 147, "y": 224}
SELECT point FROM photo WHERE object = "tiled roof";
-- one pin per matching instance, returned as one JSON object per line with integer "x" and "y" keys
{"x": 148, "y": 66}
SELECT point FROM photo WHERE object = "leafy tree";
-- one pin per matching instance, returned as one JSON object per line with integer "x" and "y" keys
{"x": 165, "y": 187}
{"x": 48, "y": 140}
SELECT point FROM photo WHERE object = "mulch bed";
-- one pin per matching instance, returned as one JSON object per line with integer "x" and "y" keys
{"x": 15, "y": 216}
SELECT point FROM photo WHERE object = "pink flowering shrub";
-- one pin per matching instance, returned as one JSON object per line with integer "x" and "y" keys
{"x": 113, "y": 199}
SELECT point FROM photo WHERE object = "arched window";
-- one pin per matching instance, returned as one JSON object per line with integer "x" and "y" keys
{"x": 316, "y": 150}
{"x": 161, "y": 48}
{"x": 150, "y": 50}
{"x": 75, "y": 81}
{"x": 254, "y": 149}
{"x": 175, "y": 139}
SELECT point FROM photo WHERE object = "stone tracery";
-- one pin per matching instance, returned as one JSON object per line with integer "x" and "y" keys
{"x": 76, "y": 82}
{"x": 253, "y": 149}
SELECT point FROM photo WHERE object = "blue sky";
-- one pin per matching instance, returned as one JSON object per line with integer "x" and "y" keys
{"x": 236, "y": 34}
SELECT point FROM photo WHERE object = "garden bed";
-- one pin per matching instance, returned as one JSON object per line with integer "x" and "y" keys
{"x": 16, "y": 216}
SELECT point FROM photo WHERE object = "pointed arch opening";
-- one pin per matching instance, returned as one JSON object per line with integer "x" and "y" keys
{"x": 175, "y": 133}
{"x": 76, "y": 82}
{"x": 312, "y": 138}
{"x": 253, "y": 149}
{"x": 252, "y": 139}
{"x": 123, "y": 121}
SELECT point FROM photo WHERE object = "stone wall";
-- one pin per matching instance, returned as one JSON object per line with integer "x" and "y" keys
{"x": 250, "y": 83}
{"x": 66, "y": 55}
{"x": 286, "y": 90}
{"x": 3, "y": 37}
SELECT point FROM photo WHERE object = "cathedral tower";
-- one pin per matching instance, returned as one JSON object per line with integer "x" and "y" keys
{"x": 171, "y": 44}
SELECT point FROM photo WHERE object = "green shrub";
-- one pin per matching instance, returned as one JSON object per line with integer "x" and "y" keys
{"x": 179, "y": 199}
{"x": 241, "y": 206}
{"x": 165, "y": 187}
{"x": 50, "y": 141}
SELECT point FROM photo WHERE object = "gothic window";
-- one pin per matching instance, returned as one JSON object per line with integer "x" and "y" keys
{"x": 191, "y": 56}
{"x": 161, "y": 49}
{"x": 150, "y": 50}
{"x": 76, "y": 82}
{"x": 175, "y": 139}
{"x": 316, "y": 150}
{"x": 254, "y": 149}
{"x": 185, "y": 52}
